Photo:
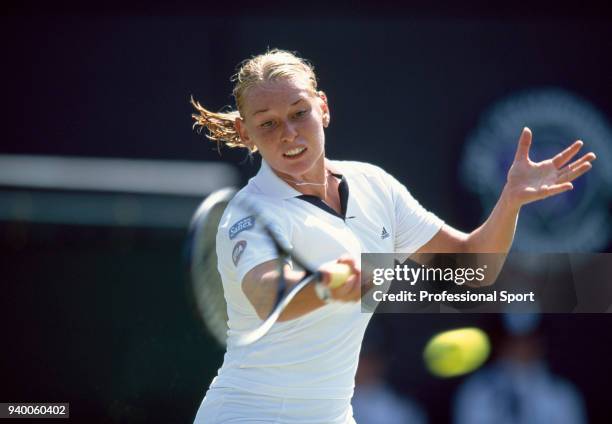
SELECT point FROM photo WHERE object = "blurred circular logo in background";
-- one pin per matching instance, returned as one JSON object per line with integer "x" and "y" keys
{"x": 575, "y": 221}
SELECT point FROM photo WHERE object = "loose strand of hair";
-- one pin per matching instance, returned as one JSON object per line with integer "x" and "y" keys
{"x": 219, "y": 125}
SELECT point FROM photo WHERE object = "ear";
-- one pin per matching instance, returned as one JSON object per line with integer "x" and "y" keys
{"x": 324, "y": 108}
{"x": 240, "y": 127}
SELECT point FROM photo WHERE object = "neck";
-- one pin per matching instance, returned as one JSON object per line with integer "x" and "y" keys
{"x": 315, "y": 182}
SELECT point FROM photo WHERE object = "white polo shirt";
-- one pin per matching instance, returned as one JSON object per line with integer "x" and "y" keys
{"x": 314, "y": 356}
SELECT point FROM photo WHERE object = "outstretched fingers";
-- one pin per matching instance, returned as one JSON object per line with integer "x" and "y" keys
{"x": 563, "y": 157}
{"x": 574, "y": 173}
{"x": 577, "y": 168}
{"x": 589, "y": 157}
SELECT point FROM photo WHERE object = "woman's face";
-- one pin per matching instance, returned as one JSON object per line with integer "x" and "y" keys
{"x": 284, "y": 119}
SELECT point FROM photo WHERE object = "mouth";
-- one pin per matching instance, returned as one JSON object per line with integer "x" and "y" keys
{"x": 295, "y": 153}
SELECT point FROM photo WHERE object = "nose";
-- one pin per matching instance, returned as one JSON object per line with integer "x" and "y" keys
{"x": 289, "y": 132}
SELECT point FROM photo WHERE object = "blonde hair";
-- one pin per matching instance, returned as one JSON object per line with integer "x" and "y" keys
{"x": 270, "y": 66}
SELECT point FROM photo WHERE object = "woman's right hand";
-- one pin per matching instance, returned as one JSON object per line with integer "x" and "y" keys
{"x": 350, "y": 291}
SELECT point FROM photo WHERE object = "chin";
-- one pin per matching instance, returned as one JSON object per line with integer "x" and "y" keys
{"x": 297, "y": 166}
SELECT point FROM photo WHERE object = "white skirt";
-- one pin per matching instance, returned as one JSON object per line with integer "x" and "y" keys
{"x": 226, "y": 405}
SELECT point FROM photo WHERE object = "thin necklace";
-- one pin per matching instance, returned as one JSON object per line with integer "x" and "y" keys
{"x": 302, "y": 183}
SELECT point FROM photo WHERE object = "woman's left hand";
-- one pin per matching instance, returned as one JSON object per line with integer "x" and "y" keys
{"x": 530, "y": 181}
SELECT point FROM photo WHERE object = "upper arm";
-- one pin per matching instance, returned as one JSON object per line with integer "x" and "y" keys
{"x": 446, "y": 240}
{"x": 257, "y": 288}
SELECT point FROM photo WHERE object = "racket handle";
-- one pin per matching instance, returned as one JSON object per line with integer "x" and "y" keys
{"x": 339, "y": 274}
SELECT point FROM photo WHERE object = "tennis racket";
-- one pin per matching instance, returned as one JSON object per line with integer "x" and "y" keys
{"x": 206, "y": 285}
{"x": 206, "y": 281}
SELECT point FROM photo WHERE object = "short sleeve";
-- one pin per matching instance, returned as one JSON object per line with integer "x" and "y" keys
{"x": 414, "y": 225}
{"x": 242, "y": 242}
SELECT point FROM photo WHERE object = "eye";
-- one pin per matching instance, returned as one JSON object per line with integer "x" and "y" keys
{"x": 301, "y": 113}
{"x": 267, "y": 124}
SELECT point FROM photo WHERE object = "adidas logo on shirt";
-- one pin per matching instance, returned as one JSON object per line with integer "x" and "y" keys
{"x": 384, "y": 233}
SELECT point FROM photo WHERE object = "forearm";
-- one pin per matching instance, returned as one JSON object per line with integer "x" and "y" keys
{"x": 305, "y": 301}
{"x": 261, "y": 290}
{"x": 342, "y": 278}
{"x": 495, "y": 235}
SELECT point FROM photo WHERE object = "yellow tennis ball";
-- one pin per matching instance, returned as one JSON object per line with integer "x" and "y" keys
{"x": 456, "y": 352}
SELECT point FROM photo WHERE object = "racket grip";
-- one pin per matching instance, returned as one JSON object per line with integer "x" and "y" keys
{"x": 339, "y": 274}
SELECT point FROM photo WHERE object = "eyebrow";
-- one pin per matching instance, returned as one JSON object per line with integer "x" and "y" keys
{"x": 292, "y": 104}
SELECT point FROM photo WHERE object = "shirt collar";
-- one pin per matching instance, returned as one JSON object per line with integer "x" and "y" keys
{"x": 270, "y": 184}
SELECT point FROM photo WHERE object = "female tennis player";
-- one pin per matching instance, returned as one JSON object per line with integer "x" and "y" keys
{"x": 327, "y": 211}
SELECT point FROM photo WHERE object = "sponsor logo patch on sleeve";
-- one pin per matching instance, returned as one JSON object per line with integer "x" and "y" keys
{"x": 239, "y": 247}
{"x": 240, "y": 226}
